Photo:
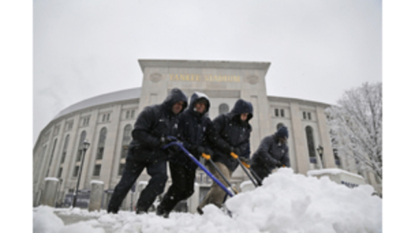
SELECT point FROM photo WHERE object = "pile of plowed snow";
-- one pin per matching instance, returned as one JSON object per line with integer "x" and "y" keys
{"x": 286, "y": 202}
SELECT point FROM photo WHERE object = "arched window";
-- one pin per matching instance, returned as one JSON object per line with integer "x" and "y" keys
{"x": 121, "y": 169}
{"x": 101, "y": 143}
{"x": 65, "y": 147}
{"x": 126, "y": 139}
{"x": 80, "y": 146}
{"x": 223, "y": 108}
{"x": 336, "y": 158}
{"x": 51, "y": 157}
{"x": 279, "y": 125}
{"x": 97, "y": 170}
{"x": 79, "y": 154}
{"x": 310, "y": 144}
{"x": 100, "y": 151}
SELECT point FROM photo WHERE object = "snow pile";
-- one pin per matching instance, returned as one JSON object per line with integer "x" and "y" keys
{"x": 286, "y": 202}
{"x": 295, "y": 203}
{"x": 45, "y": 221}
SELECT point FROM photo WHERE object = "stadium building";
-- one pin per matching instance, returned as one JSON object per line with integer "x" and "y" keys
{"x": 106, "y": 121}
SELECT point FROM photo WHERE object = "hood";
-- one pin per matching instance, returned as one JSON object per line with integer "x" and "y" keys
{"x": 282, "y": 132}
{"x": 242, "y": 106}
{"x": 174, "y": 96}
{"x": 197, "y": 96}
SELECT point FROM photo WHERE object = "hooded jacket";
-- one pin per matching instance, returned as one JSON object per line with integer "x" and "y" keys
{"x": 230, "y": 131}
{"x": 194, "y": 128}
{"x": 268, "y": 153}
{"x": 152, "y": 123}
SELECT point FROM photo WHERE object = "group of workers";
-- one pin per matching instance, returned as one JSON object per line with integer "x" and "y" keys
{"x": 225, "y": 140}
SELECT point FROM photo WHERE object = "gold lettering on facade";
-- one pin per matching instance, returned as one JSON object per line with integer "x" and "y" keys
{"x": 206, "y": 78}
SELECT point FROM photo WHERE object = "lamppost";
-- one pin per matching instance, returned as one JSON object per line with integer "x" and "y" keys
{"x": 85, "y": 147}
{"x": 320, "y": 152}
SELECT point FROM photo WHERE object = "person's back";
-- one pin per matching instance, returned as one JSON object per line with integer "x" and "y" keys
{"x": 272, "y": 153}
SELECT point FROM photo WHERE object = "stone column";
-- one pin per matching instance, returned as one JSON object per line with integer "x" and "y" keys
{"x": 193, "y": 201}
{"x": 328, "y": 156}
{"x": 95, "y": 198}
{"x": 300, "y": 145}
{"x": 51, "y": 188}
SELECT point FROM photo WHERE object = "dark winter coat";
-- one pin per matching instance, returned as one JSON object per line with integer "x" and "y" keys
{"x": 152, "y": 123}
{"x": 194, "y": 129}
{"x": 268, "y": 153}
{"x": 230, "y": 132}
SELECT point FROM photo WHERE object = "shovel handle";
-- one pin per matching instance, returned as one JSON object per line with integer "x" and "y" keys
{"x": 206, "y": 156}
{"x": 246, "y": 165}
{"x": 235, "y": 156}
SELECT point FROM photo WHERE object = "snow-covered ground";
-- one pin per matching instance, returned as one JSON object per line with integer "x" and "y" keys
{"x": 286, "y": 202}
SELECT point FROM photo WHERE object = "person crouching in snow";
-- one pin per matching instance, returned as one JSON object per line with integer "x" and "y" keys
{"x": 231, "y": 134}
{"x": 272, "y": 153}
{"x": 150, "y": 132}
{"x": 194, "y": 128}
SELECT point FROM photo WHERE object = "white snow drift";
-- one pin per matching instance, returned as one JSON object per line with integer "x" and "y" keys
{"x": 286, "y": 202}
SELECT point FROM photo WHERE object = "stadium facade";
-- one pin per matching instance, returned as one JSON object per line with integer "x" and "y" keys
{"x": 106, "y": 122}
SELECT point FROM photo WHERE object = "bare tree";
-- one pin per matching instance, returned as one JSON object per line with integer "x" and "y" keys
{"x": 356, "y": 127}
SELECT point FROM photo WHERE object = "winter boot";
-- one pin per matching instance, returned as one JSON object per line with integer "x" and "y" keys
{"x": 162, "y": 212}
{"x": 140, "y": 210}
{"x": 112, "y": 210}
{"x": 199, "y": 210}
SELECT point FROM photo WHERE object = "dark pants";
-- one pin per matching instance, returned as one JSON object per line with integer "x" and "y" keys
{"x": 260, "y": 172}
{"x": 157, "y": 171}
{"x": 216, "y": 195}
{"x": 182, "y": 188}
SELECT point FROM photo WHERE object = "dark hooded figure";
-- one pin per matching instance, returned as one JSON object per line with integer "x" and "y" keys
{"x": 271, "y": 153}
{"x": 150, "y": 132}
{"x": 194, "y": 128}
{"x": 231, "y": 134}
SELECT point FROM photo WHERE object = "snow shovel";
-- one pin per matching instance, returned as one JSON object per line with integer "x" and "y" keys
{"x": 259, "y": 180}
{"x": 207, "y": 157}
{"x": 180, "y": 145}
{"x": 235, "y": 156}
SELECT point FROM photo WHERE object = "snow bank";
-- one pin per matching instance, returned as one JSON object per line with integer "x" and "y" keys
{"x": 294, "y": 203}
{"x": 286, "y": 202}
{"x": 333, "y": 171}
{"x": 46, "y": 221}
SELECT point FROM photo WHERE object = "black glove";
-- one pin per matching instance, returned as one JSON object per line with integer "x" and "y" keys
{"x": 236, "y": 150}
{"x": 208, "y": 151}
{"x": 278, "y": 164}
{"x": 192, "y": 149}
{"x": 245, "y": 160}
{"x": 165, "y": 140}
{"x": 173, "y": 150}
{"x": 200, "y": 150}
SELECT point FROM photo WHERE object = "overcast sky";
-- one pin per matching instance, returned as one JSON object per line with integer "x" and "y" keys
{"x": 317, "y": 49}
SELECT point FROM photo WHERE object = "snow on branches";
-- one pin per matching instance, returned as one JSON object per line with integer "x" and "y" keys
{"x": 356, "y": 127}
